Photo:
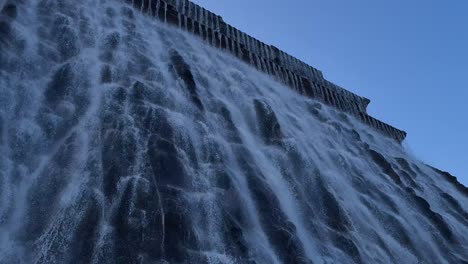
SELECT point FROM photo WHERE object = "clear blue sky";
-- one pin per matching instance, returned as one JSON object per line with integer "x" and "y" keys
{"x": 409, "y": 57}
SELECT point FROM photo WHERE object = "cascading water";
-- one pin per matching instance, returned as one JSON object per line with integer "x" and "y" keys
{"x": 123, "y": 140}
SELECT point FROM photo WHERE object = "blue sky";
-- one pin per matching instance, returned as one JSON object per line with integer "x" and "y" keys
{"x": 409, "y": 57}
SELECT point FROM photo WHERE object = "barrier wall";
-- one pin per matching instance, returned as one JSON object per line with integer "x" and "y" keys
{"x": 296, "y": 74}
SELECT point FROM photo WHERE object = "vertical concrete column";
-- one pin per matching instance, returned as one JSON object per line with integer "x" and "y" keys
{"x": 202, "y": 16}
{"x": 296, "y": 83}
{"x": 250, "y": 48}
{"x": 287, "y": 60}
{"x": 293, "y": 64}
{"x": 211, "y": 19}
{"x": 310, "y": 87}
{"x": 269, "y": 53}
{"x": 217, "y": 31}
{"x": 322, "y": 92}
{"x": 283, "y": 59}
{"x": 274, "y": 70}
{"x": 387, "y": 129}
{"x": 250, "y": 44}
{"x": 338, "y": 102}
{"x": 334, "y": 99}
{"x": 346, "y": 104}
{"x": 259, "y": 49}
{"x": 191, "y": 10}
{"x": 259, "y": 62}
{"x": 303, "y": 69}
{"x": 220, "y": 21}
{"x": 254, "y": 46}
{"x": 186, "y": 7}
{"x": 402, "y": 136}
{"x": 288, "y": 78}
{"x": 377, "y": 124}
{"x": 367, "y": 120}
{"x": 208, "y": 19}
{"x": 196, "y": 13}
{"x": 277, "y": 71}
{"x": 264, "y": 67}
{"x": 315, "y": 87}
{"x": 294, "y": 80}
{"x": 285, "y": 76}
{"x": 243, "y": 39}
{"x": 247, "y": 42}
{"x": 396, "y": 134}
{"x": 318, "y": 73}
{"x": 325, "y": 94}
{"x": 267, "y": 66}
{"x": 380, "y": 125}
{"x": 296, "y": 65}
{"x": 237, "y": 43}
{"x": 280, "y": 73}
{"x": 290, "y": 62}
{"x": 266, "y": 51}
{"x": 308, "y": 71}
{"x": 178, "y": 5}
{"x": 374, "y": 123}
{"x": 312, "y": 72}
{"x": 329, "y": 96}
{"x": 240, "y": 37}
{"x": 300, "y": 85}
{"x": 269, "y": 63}
{"x": 232, "y": 38}
{"x": 171, "y": 2}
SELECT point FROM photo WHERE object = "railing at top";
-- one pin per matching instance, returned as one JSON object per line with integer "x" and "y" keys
{"x": 298, "y": 75}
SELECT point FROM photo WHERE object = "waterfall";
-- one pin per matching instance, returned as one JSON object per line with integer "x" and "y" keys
{"x": 125, "y": 140}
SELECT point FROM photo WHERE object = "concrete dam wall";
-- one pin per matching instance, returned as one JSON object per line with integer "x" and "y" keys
{"x": 289, "y": 70}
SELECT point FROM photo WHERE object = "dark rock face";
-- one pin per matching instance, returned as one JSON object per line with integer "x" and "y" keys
{"x": 9, "y": 10}
{"x": 123, "y": 143}
{"x": 183, "y": 71}
{"x": 269, "y": 126}
{"x": 385, "y": 166}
